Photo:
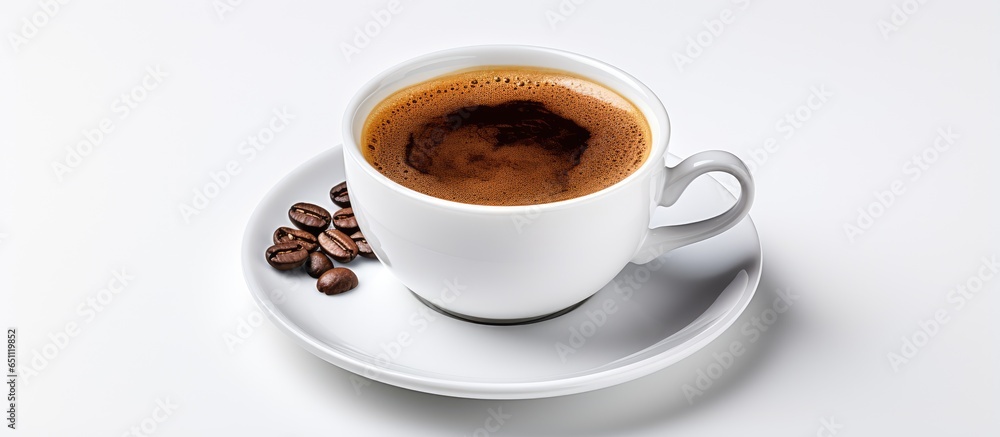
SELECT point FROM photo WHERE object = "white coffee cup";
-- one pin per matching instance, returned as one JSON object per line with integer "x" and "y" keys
{"x": 517, "y": 263}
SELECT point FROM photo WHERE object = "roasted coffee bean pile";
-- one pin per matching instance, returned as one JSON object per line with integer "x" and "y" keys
{"x": 312, "y": 242}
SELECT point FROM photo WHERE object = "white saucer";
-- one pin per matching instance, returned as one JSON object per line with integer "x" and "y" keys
{"x": 381, "y": 331}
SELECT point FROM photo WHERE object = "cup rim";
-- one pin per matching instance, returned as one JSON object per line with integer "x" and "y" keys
{"x": 657, "y": 112}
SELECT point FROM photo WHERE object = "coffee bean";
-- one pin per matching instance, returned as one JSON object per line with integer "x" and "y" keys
{"x": 317, "y": 264}
{"x": 287, "y": 255}
{"x": 338, "y": 245}
{"x": 345, "y": 221}
{"x": 338, "y": 194}
{"x": 363, "y": 248}
{"x": 285, "y": 234}
{"x": 309, "y": 217}
{"x": 337, "y": 280}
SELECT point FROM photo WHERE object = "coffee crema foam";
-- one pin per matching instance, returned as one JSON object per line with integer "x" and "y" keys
{"x": 506, "y": 136}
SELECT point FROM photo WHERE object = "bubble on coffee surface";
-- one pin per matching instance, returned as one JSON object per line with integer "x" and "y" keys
{"x": 506, "y": 136}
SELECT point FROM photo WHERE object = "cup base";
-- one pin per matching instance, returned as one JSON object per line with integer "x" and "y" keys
{"x": 497, "y": 322}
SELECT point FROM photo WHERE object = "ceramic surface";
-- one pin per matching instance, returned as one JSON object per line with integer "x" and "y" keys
{"x": 519, "y": 262}
{"x": 648, "y": 317}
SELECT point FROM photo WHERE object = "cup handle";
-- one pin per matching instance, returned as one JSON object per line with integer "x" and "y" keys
{"x": 666, "y": 238}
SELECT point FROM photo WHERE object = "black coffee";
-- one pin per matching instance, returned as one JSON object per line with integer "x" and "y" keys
{"x": 506, "y": 136}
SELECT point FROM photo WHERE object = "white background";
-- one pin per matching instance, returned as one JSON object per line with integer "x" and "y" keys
{"x": 62, "y": 236}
